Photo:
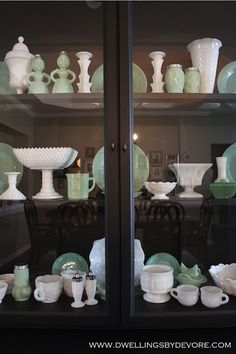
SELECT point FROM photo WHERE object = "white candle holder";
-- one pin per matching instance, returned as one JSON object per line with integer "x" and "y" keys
{"x": 12, "y": 193}
{"x": 157, "y": 61}
{"x": 84, "y": 61}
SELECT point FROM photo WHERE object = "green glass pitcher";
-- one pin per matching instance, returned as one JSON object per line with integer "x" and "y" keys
{"x": 78, "y": 185}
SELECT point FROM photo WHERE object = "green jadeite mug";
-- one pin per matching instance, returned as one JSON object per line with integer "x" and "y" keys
{"x": 78, "y": 185}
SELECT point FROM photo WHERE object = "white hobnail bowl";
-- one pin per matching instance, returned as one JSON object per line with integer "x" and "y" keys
{"x": 46, "y": 158}
{"x": 8, "y": 278}
{"x": 224, "y": 276}
{"x": 3, "y": 290}
{"x": 160, "y": 189}
{"x": 67, "y": 276}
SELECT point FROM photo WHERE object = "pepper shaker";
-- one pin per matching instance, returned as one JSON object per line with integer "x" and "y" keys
{"x": 77, "y": 290}
{"x": 90, "y": 288}
{"x": 21, "y": 290}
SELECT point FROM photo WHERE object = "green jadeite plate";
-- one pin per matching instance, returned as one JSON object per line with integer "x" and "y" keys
{"x": 8, "y": 163}
{"x": 226, "y": 81}
{"x": 139, "y": 79}
{"x": 69, "y": 261}
{"x": 167, "y": 259}
{"x": 141, "y": 168}
{"x": 230, "y": 153}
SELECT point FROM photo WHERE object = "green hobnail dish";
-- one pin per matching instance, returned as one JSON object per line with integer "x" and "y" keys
{"x": 223, "y": 189}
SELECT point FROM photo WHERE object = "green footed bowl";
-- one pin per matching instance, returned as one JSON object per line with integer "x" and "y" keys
{"x": 223, "y": 189}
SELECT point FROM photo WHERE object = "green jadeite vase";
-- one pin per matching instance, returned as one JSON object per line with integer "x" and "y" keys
{"x": 192, "y": 80}
{"x": 60, "y": 77}
{"x": 37, "y": 80}
{"x": 21, "y": 289}
{"x": 174, "y": 78}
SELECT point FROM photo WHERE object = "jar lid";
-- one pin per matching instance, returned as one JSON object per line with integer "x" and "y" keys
{"x": 20, "y": 50}
{"x": 174, "y": 66}
{"x": 90, "y": 275}
{"x": 192, "y": 68}
{"x": 21, "y": 266}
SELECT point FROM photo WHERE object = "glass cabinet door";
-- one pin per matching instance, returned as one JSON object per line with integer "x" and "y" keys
{"x": 182, "y": 179}
{"x": 62, "y": 216}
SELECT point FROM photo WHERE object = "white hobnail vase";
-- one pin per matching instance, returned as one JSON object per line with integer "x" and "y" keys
{"x": 204, "y": 54}
{"x": 84, "y": 61}
{"x": 157, "y": 61}
{"x": 221, "y": 163}
{"x": 12, "y": 193}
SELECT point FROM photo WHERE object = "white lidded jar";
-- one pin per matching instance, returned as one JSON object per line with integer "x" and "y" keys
{"x": 19, "y": 61}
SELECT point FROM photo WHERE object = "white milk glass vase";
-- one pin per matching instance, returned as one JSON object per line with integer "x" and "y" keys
{"x": 157, "y": 61}
{"x": 84, "y": 61}
{"x": 12, "y": 193}
{"x": 221, "y": 163}
{"x": 204, "y": 54}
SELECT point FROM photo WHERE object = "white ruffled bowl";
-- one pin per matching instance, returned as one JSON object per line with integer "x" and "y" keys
{"x": 160, "y": 189}
{"x": 224, "y": 276}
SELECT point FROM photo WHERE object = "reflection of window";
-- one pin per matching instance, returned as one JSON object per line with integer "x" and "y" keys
{"x": 156, "y": 157}
{"x": 89, "y": 152}
{"x": 156, "y": 173}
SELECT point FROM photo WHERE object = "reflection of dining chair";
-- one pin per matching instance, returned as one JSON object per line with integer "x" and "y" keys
{"x": 79, "y": 225}
{"x": 206, "y": 213}
{"x": 40, "y": 237}
{"x": 163, "y": 229}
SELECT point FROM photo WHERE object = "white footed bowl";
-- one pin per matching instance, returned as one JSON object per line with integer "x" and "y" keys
{"x": 189, "y": 176}
{"x": 46, "y": 158}
{"x": 224, "y": 276}
{"x": 160, "y": 189}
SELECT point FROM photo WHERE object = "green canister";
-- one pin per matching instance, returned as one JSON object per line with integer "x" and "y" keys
{"x": 21, "y": 288}
{"x": 192, "y": 80}
{"x": 174, "y": 78}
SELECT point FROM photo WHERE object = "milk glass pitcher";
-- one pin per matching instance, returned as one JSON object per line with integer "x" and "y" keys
{"x": 78, "y": 185}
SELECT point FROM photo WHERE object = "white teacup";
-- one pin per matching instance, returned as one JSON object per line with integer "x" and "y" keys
{"x": 67, "y": 276}
{"x": 3, "y": 290}
{"x": 186, "y": 294}
{"x": 156, "y": 280}
{"x": 48, "y": 288}
{"x": 213, "y": 296}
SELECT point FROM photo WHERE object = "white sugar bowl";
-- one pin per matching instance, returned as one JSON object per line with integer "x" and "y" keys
{"x": 19, "y": 61}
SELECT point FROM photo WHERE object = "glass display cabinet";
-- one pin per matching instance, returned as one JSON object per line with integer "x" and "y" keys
{"x": 137, "y": 196}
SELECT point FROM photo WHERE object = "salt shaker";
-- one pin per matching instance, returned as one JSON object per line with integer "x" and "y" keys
{"x": 77, "y": 285}
{"x": 90, "y": 288}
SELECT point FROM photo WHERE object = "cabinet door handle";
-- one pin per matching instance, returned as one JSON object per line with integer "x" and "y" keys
{"x": 124, "y": 147}
{"x": 113, "y": 146}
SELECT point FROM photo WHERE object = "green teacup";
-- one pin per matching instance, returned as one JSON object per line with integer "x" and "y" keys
{"x": 78, "y": 185}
